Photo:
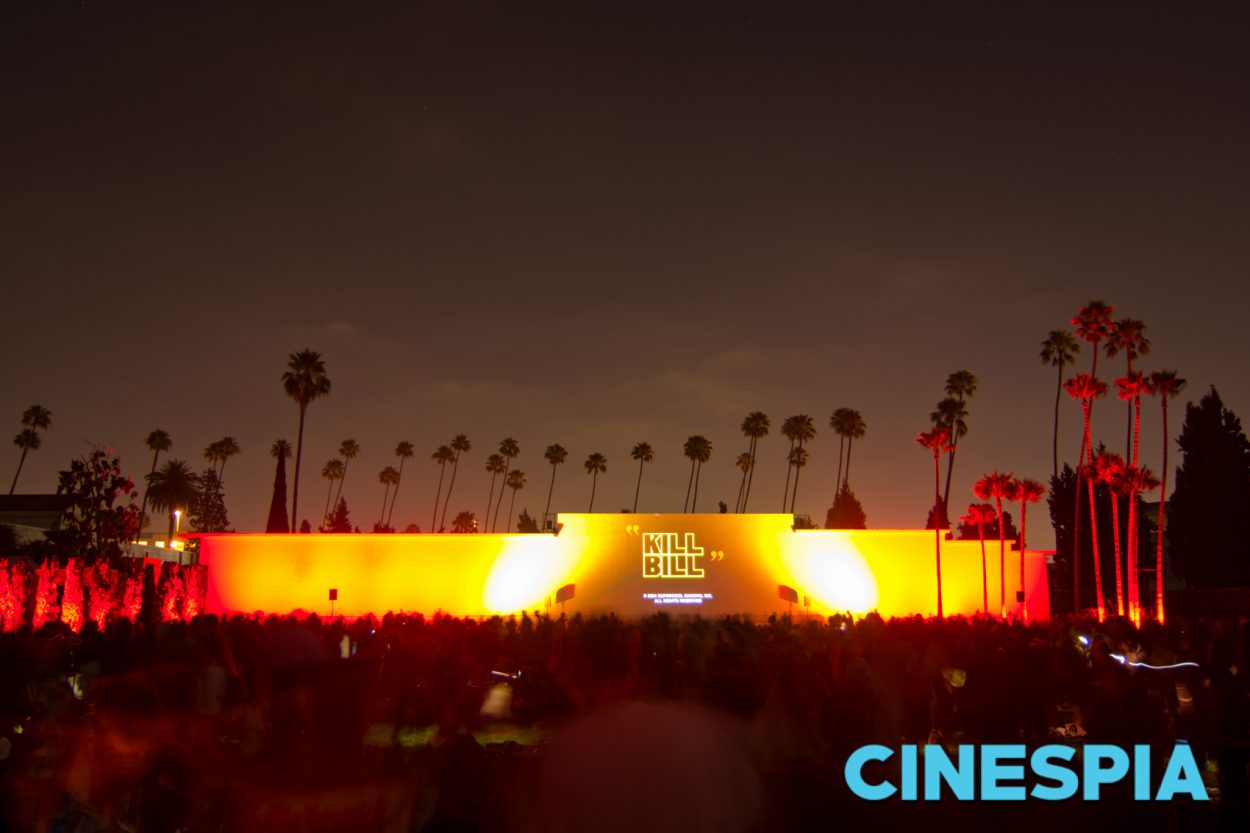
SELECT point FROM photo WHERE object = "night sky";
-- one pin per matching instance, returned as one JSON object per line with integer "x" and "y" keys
{"x": 600, "y": 223}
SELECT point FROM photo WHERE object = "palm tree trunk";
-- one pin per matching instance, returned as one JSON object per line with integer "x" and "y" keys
{"x": 1076, "y": 514}
{"x": 594, "y": 479}
{"x": 1002, "y": 561}
{"x": 338, "y": 493}
{"x": 550, "y": 490}
{"x": 221, "y": 475}
{"x": 694, "y": 504}
{"x": 511, "y": 507}
{"x": 785, "y": 498}
{"x": 837, "y": 483}
{"x": 750, "y": 478}
{"x": 1128, "y": 430}
{"x": 1162, "y": 522}
{"x": 846, "y": 475}
{"x": 685, "y": 507}
{"x": 794, "y": 496}
{"x": 499, "y": 503}
{"x": 1115, "y": 538}
{"x": 143, "y": 507}
{"x": 394, "y": 495}
{"x": 455, "y": 465}
{"x": 742, "y": 484}
{"x": 442, "y": 469}
{"x": 170, "y": 539}
{"x": 1024, "y": 525}
{"x": 18, "y": 473}
{"x": 950, "y": 467}
{"x": 385, "y": 494}
{"x": 490, "y": 499}
{"x": 299, "y": 452}
{"x": 1058, "y": 393}
{"x": 325, "y": 517}
{"x": 1134, "y": 602}
{"x": 1093, "y": 526}
{"x": 638, "y": 488}
{"x": 985, "y": 579}
{"x": 937, "y": 528}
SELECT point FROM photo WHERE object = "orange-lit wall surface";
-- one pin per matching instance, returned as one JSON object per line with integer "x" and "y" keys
{"x": 742, "y": 560}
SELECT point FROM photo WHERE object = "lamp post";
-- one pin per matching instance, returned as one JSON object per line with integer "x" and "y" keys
{"x": 177, "y": 523}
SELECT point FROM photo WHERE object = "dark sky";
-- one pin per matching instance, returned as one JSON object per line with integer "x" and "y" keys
{"x": 599, "y": 223}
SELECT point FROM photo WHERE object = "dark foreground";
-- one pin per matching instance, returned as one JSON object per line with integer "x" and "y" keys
{"x": 596, "y": 724}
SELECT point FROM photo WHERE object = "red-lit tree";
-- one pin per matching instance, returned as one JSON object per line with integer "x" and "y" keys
{"x": 1128, "y": 336}
{"x": 1093, "y": 325}
{"x": 1025, "y": 491}
{"x": 1086, "y": 388}
{"x": 980, "y": 514}
{"x": 1166, "y": 385}
{"x": 1107, "y": 468}
{"x": 995, "y": 486}
{"x": 1058, "y": 350}
{"x": 936, "y": 440}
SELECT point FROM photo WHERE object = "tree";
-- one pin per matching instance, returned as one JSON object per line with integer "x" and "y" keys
{"x": 101, "y": 518}
{"x": 340, "y": 518}
{"x": 332, "y": 471}
{"x": 36, "y": 418}
{"x": 855, "y": 429}
{"x": 459, "y": 443}
{"x": 703, "y": 453}
{"x": 846, "y": 511}
{"x": 221, "y": 451}
{"x": 959, "y": 385}
{"x": 1107, "y": 469}
{"x": 1166, "y": 385}
{"x": 496, "y": 465}
{"x": 698, "y": 450}
{"x": 798, "y": 429}
{"x": 596, "y": 464}
{"x": 980, "y": 514}
{"x": 798, "y": 459}
{"x": 208, "y": 511}
{"x": 555, "y": 455}
{"x": 349, "y": 450}
{"x": 514, "y": 481}
{"x": 525, "y": 523}
{"x": 1093, "y": 326}
{"x": 1209, "y": 526}
{"x": 754, "y": 427}
{"x": 509, "y": 449}
{"x": 1086, "y": 388}
{"x": 1128, "y": 336}
{"x": 643, "y": 453}
{"x": 1025, "y": 491}
{"x": 936, "y": 440}
{"x": 388, "y": 477}
{"x": 996, "y": 486}
{"x": 1137, "y": 479}
{"x": 158, "y": 441}
{"x": 464, "y": 522}
{"x": 173, "y": 488}
{"x": 1059, "y": 349}
{"x": 840, "y": 421}
{"x": 278, "y": 521}
{"x": 404, "y": 451}
{"x": 304, "y": 381}
{"x": 744, "y": 464}
{"x": 443, "y": 455}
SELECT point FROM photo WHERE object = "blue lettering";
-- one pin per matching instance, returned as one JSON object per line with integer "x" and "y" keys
{"x": 1096, "y": 775}
{"x": 1182, "y": 776}
{"x": 855, "y": 777}
{"x": 1043, "y": 768}
{"x": 938, "y": 768}
{"x": 992, "y": 771}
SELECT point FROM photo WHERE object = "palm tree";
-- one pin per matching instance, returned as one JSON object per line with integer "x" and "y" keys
{"x": 643, "y": 453}
{"x": 442, "y": 455}
{"x": 1138, "y": 479}
{"x": 703, "y": 453}
{"x": 937, "y": 440}
{"x": 158, "y": 441}
{"x": 514, "y": 481}
{"x": 1166, "y": 385}
{"x": 509, "y": 449}
{"x": 1059, "y": 349}
{"x": 459, "y": 443}
{"x": 596, "y": 464}
{"x": 172, "y": 488}
{"x": 693, "y": 449}
{"x": 278, "y": 521}
{"x": 404, "y": 451}
{"x": 959, "y": 385}
{"x": 388, "y": 477}
{"x": 496, "y": 465}
{"x": 798, "y": 429}
{"x": 1093, "y": 325}
{"x": 980, "y": 514}
{"x": 464, "y": 522}
{"x": 1128, "y": 336}
{"x": 227, "y": 447}
{"x": 555, "y": 455}
{"x": 1108, "y": 469}
{"x": 855, "y": 430}
{"x": 798, "y": 459}
{"x": 1086, "y": 388}
{"x": 840, "y": 421}
{"x": 997, "y": 486}
{"x": 349, "y": 450}
{"x": 952, "y": 414}
{"x": 36, "y": 418}
{"x": 305, "y": 380}
{"x": 331, "y": 471}
{"x": 1025, "y": 491}
{"x": 754, "y": 427}
{"x": 744, "y": 464}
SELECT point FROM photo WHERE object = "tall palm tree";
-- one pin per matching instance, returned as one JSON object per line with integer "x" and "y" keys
{"x": 331, "y": 471}
{"x": 980, "y": 514}
{"x": 305, "y": 381}
{"x": 212, "y": 454}
{"x": 1093, "y": 325}
{"x": 692, "y": 448}
{"x": 754, "y": 427}
{"x": 596, "y": 464}
{"x": 952, "y": 414}
{"x": 158, "y": 441}
{"x": 1138, "y": 479}
{"x": 840, "y": 421}
{"x": 464, "y": 521}
{"x": 798, "y": 429}
{"x": 1128, "y": 336}
{"x": 744, "y": 464}
{"x": 172, "y": 488}
{"x": 404, "y": 450}
{"x": 36, "y": 418}
{"x": 996, "y": 486}
{"x": 855, "y": 430}
{"x": 514, "y": 481}
{"x": 509, "y": 448}
{"x": 1059, "y": 349}
{"x": 496, "y": 465}
{"x": 960, "y": 385}
{"x": 277, "y": 520}
{"x": 1086, "y": 388}
{"x": 555, "y": 455}
{"x": 459, "y": 443}
{"x": 349, "y": 450}
{"x": 443, "y": 455}
{"x": 1108, "y": 469}
{"x": 1166, "y": 385}
{"x": 1025, "y": 491}
{"x": 937, "y": 440}
{"x": 798, "y": 459}
{"x": 703, "y": 453}
{"x": 221, "y": 451}
{"x": 388, "y": 477}
{"x": 643, "y": 453}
